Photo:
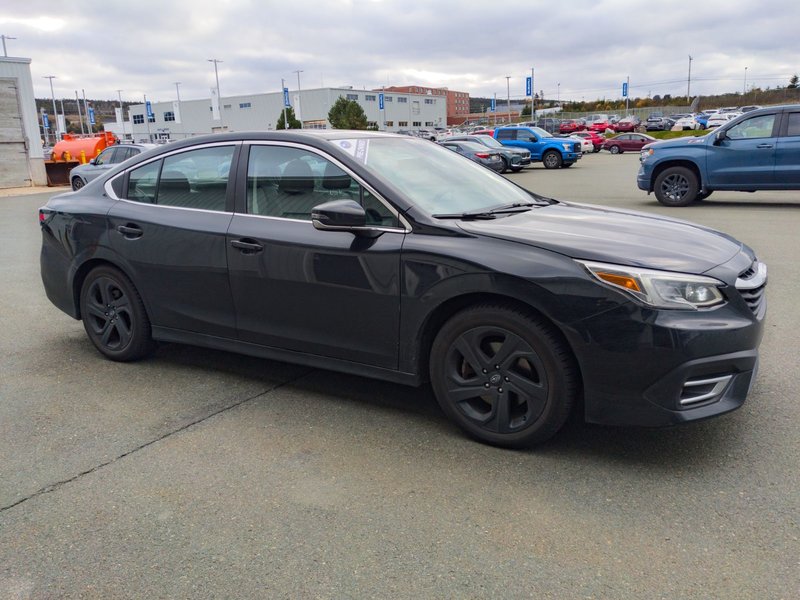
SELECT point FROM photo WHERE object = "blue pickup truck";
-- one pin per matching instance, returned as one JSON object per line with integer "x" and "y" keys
{"x": 759, "y": 150}
{"x": 553, "y": 152}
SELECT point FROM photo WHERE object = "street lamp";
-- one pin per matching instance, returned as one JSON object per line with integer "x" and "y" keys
{"x": 52, "y": 93}
{"x": 508, "y": 96}
{"x": 299, "y": 114}
{"x": 558, "y": 94}
{"x": 744, "y": 90}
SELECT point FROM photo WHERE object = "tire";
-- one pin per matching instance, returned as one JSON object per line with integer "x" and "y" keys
{"x": 516, "y": 169}
{"x": 505, "y": 164}
{"x": 597, "y": 149}
{"x": 614, "y": 150}
{"x": 676, "y": 186}
{"x": 552, "y": 160}
{"x": 503, "y": 376}
{"x": 77, "y": 183}
{"x": 703, "y": 195}
{"x": 566, "y": 165}
{"x": 114, "y": 316}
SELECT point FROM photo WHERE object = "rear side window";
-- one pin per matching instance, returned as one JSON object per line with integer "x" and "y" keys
{"x": 506, "y": 134}
{"x": 794, "y": 124}
{"x": 196, "y": 179}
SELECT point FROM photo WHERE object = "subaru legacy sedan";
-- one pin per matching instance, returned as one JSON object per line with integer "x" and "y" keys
{"x": 390, "y": 257}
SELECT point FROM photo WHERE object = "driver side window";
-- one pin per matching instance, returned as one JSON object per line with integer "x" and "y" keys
{"x": 757, "y": 127}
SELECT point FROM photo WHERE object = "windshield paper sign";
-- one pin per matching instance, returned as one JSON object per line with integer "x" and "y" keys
{"x": 358, "y": 148}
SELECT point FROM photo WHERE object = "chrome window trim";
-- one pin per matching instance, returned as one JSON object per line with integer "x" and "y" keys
{"x": 110, "y": 191}
{"x": 406, "y": 228}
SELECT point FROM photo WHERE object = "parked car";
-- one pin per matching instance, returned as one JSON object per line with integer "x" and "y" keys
{"x": 749, "y": 108}
{"x": 720, "y": 119}
{"x": 601, "y": 125}
{"x": 483, "y": 132}
{"x": 596, "y": 139}
{"x": 586, "y": 143}
{"x": 553, "y": 152}
{"x": 514, "y": 159}
{"x": 549, "y": 124}
{"x": 688, "y": 122}
{"x": 478, "y": 153}
{"x": 571, "y": 126}
{"x": 755, "y": 151}
{"x": 390, "y": 257}
{"x": 627, "y": 142}
{"x": 627, "y": 124}
{"x": 108, "y": 159}
{"x": 427, "y": 134}
{"x": 658, "y": 124}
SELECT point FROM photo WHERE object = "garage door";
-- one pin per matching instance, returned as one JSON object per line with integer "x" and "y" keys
{"x": 13, "y": 154}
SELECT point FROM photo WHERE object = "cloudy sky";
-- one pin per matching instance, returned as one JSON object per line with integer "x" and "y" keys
{"x": 580, "y": 49}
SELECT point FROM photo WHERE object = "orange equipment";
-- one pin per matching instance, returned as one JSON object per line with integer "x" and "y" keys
{"x": 74, "y": 145}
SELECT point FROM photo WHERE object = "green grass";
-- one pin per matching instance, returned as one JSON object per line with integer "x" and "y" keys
{"x": 668, "y": 135}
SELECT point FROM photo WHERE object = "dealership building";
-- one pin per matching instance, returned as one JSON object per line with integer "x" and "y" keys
{"x": 260, "y": 112}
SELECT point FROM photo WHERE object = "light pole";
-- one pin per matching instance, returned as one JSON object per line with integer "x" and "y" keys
{"x": 55, "y": 112}
{"x": 508, "y": 96}
{"x": 744, "y": 89}
{"x": 299, "y": 113}
{"x": 689, "y": 81}
{"x": 4, "y": 38}
{"x": 558, "y": 94}
{"x": 121, "y": 113}
{"x": 219, "y": 98}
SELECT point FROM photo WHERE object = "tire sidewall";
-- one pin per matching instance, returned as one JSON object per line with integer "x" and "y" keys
{"x": 690, "y": 196}
{"x": 549, "y": 162}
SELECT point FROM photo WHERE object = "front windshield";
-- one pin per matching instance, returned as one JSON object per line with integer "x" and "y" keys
{"x": 489, "y": 141}
{"x": 435, "y": 179}
{"x": 540, "y": 132}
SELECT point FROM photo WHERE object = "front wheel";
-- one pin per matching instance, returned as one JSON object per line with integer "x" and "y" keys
{"x": 676, "y": 186}
{"x": 114, "y": 316}
{"x": 505, "y": 164}
{"x": 614, "y": 149}
{"x": 77, "y": 183}
{"x": 552, "y": 160}
{"x": 503, "y": 376}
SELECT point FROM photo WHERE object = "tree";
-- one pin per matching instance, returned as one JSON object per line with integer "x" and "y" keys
{"x": 293, "y": 122}
{"x": 793, "y": 81}
{"x": 526, "y": 111}
{"x": 347, "y": 114}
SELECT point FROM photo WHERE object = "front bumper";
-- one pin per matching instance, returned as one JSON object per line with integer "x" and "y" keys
{"x": 655, "y": 368}
{"x": 644, "y": 178}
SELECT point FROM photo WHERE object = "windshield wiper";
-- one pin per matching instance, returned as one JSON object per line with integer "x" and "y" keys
{"x": 517, "y": 207}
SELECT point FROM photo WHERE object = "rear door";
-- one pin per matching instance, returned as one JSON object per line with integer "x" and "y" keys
{"x": 169, "y": 228}
{"x": 787, "y": 156}
{"x": 745, "y": 158}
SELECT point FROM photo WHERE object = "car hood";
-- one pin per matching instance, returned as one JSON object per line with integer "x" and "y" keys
{"x": 614, "y": 236}
{"x": 680, "y": 142}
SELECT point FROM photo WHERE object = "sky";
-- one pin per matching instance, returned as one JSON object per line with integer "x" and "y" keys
{"x": 579, "y": 49}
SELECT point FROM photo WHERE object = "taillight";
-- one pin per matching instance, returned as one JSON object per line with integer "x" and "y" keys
{"x": 481, "y": 155}
{"x": 42, "y": 216}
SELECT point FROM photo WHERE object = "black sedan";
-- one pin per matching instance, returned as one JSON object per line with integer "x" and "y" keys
{"x": 391, "y": 257}
{"x": 514, "y": 159}
{"x": 491, "y": 159}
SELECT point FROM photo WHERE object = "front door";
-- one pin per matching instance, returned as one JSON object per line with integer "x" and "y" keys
{"x": 787, "y": 161}
{"x": 746, "y": 155}
{"x": 325, "y": 293}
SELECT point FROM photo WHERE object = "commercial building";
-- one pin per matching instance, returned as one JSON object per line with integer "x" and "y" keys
{"x": 177, "y": 120}
{"x": 457, "y": 102}
{"x": 21, "y": 156}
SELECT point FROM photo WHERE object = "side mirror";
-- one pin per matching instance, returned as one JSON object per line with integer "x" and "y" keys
{"x": 719, "y": 135}
{"x": 339, "y": 215}
{"x": 93, "y": 161}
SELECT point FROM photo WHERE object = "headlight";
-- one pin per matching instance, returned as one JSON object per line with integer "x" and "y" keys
{"x": 567, "y": 147}
{"x": 660, "y": 289}
{"x": 645, "y": 154}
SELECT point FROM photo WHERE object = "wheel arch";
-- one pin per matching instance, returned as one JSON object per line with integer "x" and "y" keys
{"x": 83, "y": 271}
{"x": 661, "y": 167}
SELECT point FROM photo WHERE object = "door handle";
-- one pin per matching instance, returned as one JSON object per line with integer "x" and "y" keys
{"x": 247, "y": 247}
{"x": 764, "y": 146}
{"x": 130, "y": 231}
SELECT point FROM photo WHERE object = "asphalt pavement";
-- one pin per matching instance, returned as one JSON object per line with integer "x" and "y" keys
{"x": 203, "y": 474}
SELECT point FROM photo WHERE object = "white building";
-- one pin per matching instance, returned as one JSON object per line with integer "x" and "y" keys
{"x": 173, "y": 120}
{"x": 21, "y": 156}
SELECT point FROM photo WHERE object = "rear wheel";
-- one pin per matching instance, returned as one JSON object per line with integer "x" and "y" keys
{"x": 552, "y": 160}
{"x": 505, "y": 164}
{"x": 676, "y": 186}
{"x": 503, "y": 376}
{"x": 77, "y": 183}
{"x": 114, "y": 316}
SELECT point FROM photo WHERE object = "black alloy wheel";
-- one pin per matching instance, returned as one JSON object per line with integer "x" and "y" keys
{"x": 77, "y": 183}
{"x": 114, "y": 316}
{"x": 676, "y": 186}
{"x": 503, "y": 376}
{"x": 552, "y": 160}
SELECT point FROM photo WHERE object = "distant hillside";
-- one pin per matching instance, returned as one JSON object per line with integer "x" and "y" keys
{"x": 103, "y": 111}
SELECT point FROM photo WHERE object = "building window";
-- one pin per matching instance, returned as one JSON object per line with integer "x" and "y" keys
{"x": 428, "y": 123}
{"x": 226, "y": 106}
{"x": 372, "y": 124}
{"x": 245, "y": 105}
{"x": 417, "y": 124}
{"x": 352, "y": 96}
{"x": 430, "y": 101}
{"x": 402, "y": 99}
{"x": 138, "y": 119}
{"x": 169, "y": 116}
{"x": 389, "y": 123}
{"x": 389, "y": 98}
{"x": 402, "y": 123}
{"x": 370, "y": 97}
{"x": 151, "y": 118}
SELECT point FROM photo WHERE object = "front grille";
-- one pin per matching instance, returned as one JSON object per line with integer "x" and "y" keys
{"x": 577, "y": 147}
{"x": 751, "y": 284}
